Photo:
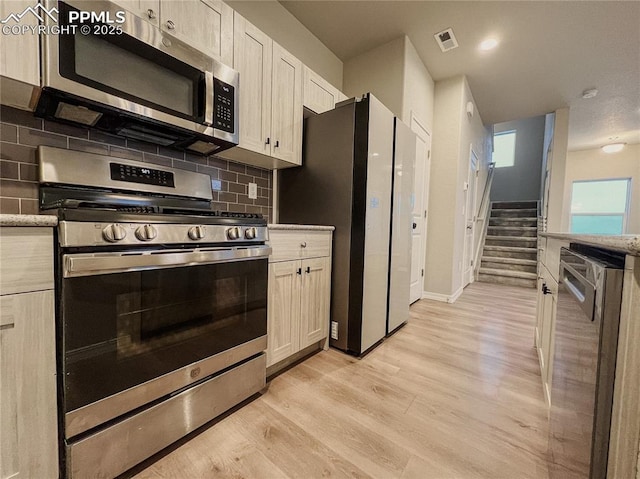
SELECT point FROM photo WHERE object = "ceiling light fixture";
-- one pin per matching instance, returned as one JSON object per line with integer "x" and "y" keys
{"x": 489, "y": 44}
{"x": 590, "y": 93}
{"x": 613, "y": 147}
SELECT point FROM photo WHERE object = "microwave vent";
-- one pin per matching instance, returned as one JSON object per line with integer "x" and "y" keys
{"x": 202, "y": 147}
{"x": 77, "y": 114}
{"x": 446, "y": 40}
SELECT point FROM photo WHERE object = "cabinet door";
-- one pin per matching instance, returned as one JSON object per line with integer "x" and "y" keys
{"x": 20, "y": 65}
{"x": 318, "y": 94}
{"x": 314, "y": 300}
{"x": 252, "y": 59}
{"x": 149, "y": 10}
{"x": 286, "y": 106}
{"x": 283, "y": 311}
{"x": 206, "y": 25}
{"x": 28, "y": 442}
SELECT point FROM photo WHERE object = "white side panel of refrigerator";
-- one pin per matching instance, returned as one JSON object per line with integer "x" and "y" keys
{"x": 377, "y": 224}
{"x": 400, "y": 261}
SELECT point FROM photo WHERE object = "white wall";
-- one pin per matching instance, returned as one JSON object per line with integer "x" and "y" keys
{"x": 418, "y": 89}
{"x": 277, "y": 22}
{"x": 557, "y": 165}
{"x": 597, "y": 165}
{"x": 521, "y": 182}
{"x": 379, "y": 71}
{"x": 395, "y": 74}
{"x": 453, "y": 136}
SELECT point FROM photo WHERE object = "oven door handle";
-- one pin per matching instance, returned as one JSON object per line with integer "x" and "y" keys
{"x": 209, "y": 103}
{"x": 91, "y": 264}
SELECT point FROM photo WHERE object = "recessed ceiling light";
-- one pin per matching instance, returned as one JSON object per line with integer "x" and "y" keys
{"x": 489, "y": 44}
{"x": 613, "y": 147}
{"x": 591, "y": 93}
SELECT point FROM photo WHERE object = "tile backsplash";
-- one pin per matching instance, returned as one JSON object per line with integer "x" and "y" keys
{"x": 21, "y": 133}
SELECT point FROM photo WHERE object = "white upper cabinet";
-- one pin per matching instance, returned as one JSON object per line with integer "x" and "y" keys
{"x": 206, "y": 25}
{"x": 270, "y": 100}
{"x": 319, "y": 95}
{"x": 286, "y": 106}
{"x": 146, "y": 9}
{"x": 253, "y": 52}
{"x": 20, "y": 64}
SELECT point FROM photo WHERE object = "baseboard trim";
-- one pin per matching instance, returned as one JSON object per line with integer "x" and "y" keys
{"x": 444, "y": 298}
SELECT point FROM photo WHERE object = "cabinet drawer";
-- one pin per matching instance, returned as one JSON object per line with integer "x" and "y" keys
{"x": 290, "y": 245}
{"x": 26, "y": 255}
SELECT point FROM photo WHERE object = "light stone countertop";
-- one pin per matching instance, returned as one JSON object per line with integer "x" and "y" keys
{"x": 28, "y": 220}
{"x": 300, "y": 227}
{"x": 629, "y": 244}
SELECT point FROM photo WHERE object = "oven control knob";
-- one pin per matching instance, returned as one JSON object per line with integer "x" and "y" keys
{"x": 196, "y": 233}
{"x": 146, "y": 233}
{"x": 114, "y": 233}
{"x": 233, "y": 233}
{"x": 250, "y": 233}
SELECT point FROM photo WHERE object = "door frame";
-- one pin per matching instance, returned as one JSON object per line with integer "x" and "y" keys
{"x": 420, "y": 130}
{"x": 470, "y": 216}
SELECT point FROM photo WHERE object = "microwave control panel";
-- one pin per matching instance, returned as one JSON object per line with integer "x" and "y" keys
{"x": 224, "y": 106}
{"x": 136, "y": 174}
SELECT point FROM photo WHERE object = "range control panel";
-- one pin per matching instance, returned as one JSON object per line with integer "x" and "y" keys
{"x": 224, "y": 106}
{"x": 137, "y": 174}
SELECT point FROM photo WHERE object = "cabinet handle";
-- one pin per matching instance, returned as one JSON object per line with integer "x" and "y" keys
{"x": 308, "y": 270}
{"x": 303, "y": 244}
{"x": 171, "y": 25}
{"x": 299, "y": 271}
{"x": 151, "y": 14}
{"x": 268, "y": 141}
{"x": 277, "y": 143}
{"x": 545, "y": 289}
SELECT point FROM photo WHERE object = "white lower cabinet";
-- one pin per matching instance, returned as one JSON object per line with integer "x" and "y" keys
{"x": 28, "y": 412}
{"x": 299, "y": 292}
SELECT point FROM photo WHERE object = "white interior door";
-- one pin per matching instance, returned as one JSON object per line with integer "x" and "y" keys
{"x": 470, "y": 208}
{"x": 421, "y": 168}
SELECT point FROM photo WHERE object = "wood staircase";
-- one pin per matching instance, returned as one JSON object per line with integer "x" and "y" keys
{"x": 510, "y": 254}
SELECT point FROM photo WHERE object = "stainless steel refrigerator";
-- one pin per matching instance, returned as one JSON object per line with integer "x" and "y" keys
{"x": 357, "y": 174}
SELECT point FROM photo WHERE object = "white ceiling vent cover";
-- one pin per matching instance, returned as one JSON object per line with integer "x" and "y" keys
{"x": 446, "y": 39}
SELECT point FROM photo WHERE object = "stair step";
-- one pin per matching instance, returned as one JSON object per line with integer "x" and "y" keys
{"x": 525, "y": 241}
{"x": 514, "y": 205}
{"x": 510, "y": 252}
{"x": 508, "y": 221}
{"x": 525, "y": 268}
{"x": 514, "y": 213}
{"x": 525, "y": 283}
{"x": 507, "y": 260}
{"x": 508, "y": 273}
{"x": 521, "y": 231}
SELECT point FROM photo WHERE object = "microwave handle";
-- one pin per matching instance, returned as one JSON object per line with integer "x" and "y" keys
{"x": 209, "y": 93}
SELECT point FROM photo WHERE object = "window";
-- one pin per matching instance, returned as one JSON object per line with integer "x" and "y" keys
{"x": 504, "y": 148}
{"x": 599, "y": 207}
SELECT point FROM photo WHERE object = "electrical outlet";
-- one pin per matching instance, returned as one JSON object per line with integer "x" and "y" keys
{"x": 253, "y": 191}
{"x": 334, "y": 330}
{"x": 216, "y": 185}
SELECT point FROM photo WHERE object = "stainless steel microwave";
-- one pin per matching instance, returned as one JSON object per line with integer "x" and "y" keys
{"x": 118, "y": 73}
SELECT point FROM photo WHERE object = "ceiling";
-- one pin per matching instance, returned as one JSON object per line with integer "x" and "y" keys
{"x": 549, "y": 53}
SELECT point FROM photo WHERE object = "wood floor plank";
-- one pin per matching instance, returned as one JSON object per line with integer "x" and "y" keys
{"x": 454, "y": 394}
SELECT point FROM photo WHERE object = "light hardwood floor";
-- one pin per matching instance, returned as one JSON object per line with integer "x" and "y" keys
{"x": 456, "y": 393}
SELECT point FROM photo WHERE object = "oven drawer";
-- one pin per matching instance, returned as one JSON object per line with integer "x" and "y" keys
{"x": 289, "y": 245}
{"x": 121, "y": 446}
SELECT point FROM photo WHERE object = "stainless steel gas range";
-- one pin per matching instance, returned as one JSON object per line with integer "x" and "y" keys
{"x": 161, "y": 318}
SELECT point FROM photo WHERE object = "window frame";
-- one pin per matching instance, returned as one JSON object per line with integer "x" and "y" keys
{"x": 515, "y": 139}
{"x": 625, "y": 215}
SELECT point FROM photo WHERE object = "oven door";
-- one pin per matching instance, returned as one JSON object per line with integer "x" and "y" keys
{"x": 137, "y": 327}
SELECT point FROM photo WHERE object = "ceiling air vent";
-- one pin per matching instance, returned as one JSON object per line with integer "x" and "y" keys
{"x": 446, "y": 39}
